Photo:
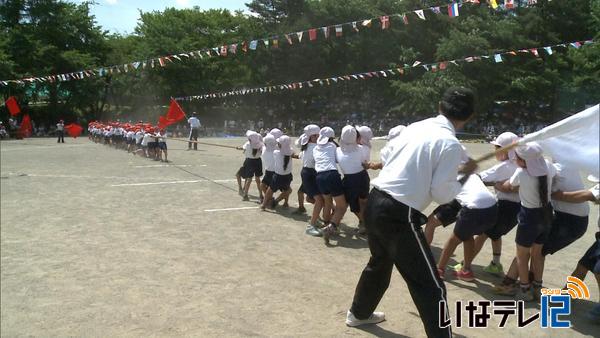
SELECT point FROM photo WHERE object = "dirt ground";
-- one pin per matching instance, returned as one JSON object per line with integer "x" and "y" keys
{"x": 97, "y": 242}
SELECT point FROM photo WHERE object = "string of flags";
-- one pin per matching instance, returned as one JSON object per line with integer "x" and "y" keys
{"x": 272, "y": 42}
{"x": 384, "y": 73}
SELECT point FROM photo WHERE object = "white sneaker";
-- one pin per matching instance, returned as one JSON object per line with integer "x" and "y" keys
{"x": 376, "y": 317}
{"x": 313, "y": 231}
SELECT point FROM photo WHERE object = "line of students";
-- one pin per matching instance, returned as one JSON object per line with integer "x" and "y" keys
{"x": 138, "y": 139}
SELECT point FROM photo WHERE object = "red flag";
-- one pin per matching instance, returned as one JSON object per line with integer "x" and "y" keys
{"x": 163, "y": 122}
{"x": 73, "y": 130}
{"x": 13, "y": 107}
{"x": 26, "y": 128}
{"x": 175, "y": 112}
{"x": 385, "y": 22}
{"x": 312, "y": 34}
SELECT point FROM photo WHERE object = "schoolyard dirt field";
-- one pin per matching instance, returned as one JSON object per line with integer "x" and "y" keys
{"x": 97, "y": 242}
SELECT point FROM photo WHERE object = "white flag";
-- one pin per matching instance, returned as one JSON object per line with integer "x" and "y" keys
{"x": 574, "y": 140}
{"x": 420, "y": 14}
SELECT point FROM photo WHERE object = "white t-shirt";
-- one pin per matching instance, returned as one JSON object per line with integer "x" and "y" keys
{"x": 60, "y": 126}
{"x": 194, "y": 122}
{"x": 248, "y": 151}
{"x": 500, "y": 173}
{"x": 528, "y": 186}
{"x": 475, "y": 195}
{"x": 324, "y": 156}
{"x": 268, "y": 160}
{"x": 308, "y": 160}
{"x": 279, "y": 161}
{"x": 568, "y": 179}
{"x": 351, "y": 162}
{"x": 139, "y": 136}
{"x": 147, "y": 138}
{"x": 162, "y": 137}
{"x": 366, "y": 152}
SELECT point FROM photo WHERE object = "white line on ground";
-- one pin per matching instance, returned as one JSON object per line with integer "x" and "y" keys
{"x": 229, "y": 209}
{"x": 167, "y": 165}
{"x": 154, "y": 183}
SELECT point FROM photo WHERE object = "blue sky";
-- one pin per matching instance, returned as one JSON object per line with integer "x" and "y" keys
{"x": 120, "y": 16}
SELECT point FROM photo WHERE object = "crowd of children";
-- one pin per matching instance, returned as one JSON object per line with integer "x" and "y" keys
{"x": 138, "y": 139}
{"x": 531, "y": 194}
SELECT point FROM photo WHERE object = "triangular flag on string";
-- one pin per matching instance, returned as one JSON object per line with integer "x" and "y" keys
{"x": 443, "y": 65}
{"x": 420, "y": 14}
{"x": 434, "y": 68}
{"x": 498, "y": 58}
{"x": 275, "y": 43}
{"x": 436, "y": 10}
{"x": 266, "y": 42}
{"x": 177, "y": 57}
{"x": 534, "y": 51}
{"x": 224, "y": 50}
{"x": 508, "y": 4}
{"x": 160, "y": 60}
{"x": 576, "y": 44}
{"x": 253, "y": 44}
{"x": 354, "y": 27}
{"x": 416, "y": 63}
{"x": 338, "y": 31}
{"x": 493, "y": 4}
{"x": 299, "y": 34}
{"x": 312, "y": 34}
{"x": 405, "y": 19}
{"x": 325, "y": 32}
{"x": 385, "y": 22}
{"x": 548, "y": 50}
{"x": 245, "y": 46}
{"x": 233, "y": 48}
{"x": 366, "y": 23}
{"x": 289, "y": 39}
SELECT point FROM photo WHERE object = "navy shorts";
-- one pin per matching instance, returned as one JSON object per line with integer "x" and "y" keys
{"x": 330, "y": 183}
{"x": 309, "y": 182}
{"x": 152, "y": 145}
{"x": 591, "y": 258}
{"x": 566, "y": 229}
{"x": 507, "y": 219}
{"x": 268, "y": 178}
{"x": 252, "y": 168}
{"x": 356, "y": 187}
{"x": 471, "y": 222}
{"x": 162, "y": 145}
{"x": 532, "y": 227}
{"x": 447, "y": 213}
{"x": 281, "y": 182}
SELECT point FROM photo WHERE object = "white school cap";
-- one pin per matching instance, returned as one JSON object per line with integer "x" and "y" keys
{"x": 286, "y": 145}
{"x": 311, "y": 129}
{"x": 506, "y": 139}
{"x": 348, "y": 139}
{"x": 270, "y": 142}
{"x": 532, "y": 154}
{"x": 254, "y": 138}
{"x": 325, "y": 134}
{"x": 395, "y": 132}
{"x": 276, "y": 133}
{"x": 366, "y": 134}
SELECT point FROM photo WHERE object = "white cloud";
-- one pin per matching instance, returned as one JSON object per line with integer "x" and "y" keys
{"x": 111, "y": 2}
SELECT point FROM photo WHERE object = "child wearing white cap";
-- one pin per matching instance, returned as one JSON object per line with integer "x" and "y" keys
{"x": 533, "y": 180}
{"x": 252, "y": 164}
{"x": 308, "y": 141}
{"x": 329, "y": 181}
{"x": 350, "y": 157}
{"x": 509, "y": 203}
{"x": 282, "y": 178}
{"x": 384, "y": 153}
{"x": 268, "y": 161}
{"x": 365, "y": 135}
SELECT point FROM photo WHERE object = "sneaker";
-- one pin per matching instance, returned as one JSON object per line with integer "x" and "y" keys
{"x": 313, "y": 231}
{"x": 505, "y": 290}
{"x": 494, "y": 269}
{"x": 466, "y": 276}
{"x": 328, "y": 231}
{"x": 245, "y": 198}
{"x": 524, "y": 295}
{"x": 456, "y": 268}
{"x": 376, "y": 317}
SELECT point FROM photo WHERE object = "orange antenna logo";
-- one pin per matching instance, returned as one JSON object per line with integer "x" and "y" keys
{"x": 577, "y": 289}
